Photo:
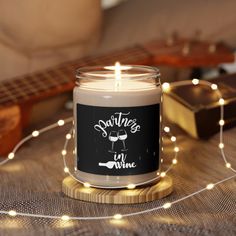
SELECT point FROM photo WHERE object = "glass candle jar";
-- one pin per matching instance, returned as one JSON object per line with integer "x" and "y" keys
{"x": 117, "y": 113}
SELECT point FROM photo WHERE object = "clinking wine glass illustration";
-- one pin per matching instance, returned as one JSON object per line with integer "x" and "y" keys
{"x": 122, "y": 135}
{"x": 113, "y": 137}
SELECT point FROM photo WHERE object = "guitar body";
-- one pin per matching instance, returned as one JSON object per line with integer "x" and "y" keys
{"x": 10, "y": 128}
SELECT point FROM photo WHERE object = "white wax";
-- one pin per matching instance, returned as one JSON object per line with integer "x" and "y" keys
{"x": 123, "y": 93}
{"x": 111, "y": 93}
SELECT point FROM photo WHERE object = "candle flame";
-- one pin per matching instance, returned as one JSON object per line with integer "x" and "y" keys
{"x": 117, "y": 74}
{"x": 117, "y": 71}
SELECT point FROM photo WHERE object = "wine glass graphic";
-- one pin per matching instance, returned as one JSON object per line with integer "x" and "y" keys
{"x": 113, "y": 137}
{"x": 122, "y": 135}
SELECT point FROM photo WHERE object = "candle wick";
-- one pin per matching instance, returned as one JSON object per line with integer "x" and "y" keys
{"x": 117, "y": 75}
{"x": 117, "y": 71}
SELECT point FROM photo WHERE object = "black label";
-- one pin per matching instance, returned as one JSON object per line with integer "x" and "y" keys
{"x": 118, "y": 140}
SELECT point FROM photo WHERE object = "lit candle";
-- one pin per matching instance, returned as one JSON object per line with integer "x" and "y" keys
{"x": 117, "y": 111}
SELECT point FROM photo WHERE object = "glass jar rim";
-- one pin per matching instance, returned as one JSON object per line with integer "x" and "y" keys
{"x": 136, "y": 72}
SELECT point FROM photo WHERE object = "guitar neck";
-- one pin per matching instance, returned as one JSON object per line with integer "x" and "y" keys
{"x": 40, "y": 85}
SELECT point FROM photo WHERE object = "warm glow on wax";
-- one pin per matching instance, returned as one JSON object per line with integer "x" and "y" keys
{"x": 117, "y": 75}
{"x": 117, "y": 71}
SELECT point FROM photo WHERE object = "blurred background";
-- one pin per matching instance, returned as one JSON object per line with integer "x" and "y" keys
{"x": 39, "y": 34}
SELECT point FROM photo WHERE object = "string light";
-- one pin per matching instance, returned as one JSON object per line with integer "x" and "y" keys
{"x": 61, "y": 122}
{"x": 131, "y": 186}
{"x": 174, "y": 161}
{"x": 162, "y": 174}
{"x": 228, "y": 165}
{"x": 166, "y": 87}
{"x": 214, "y": 87}
{"x": 167, "y": 205}
{"x": 66, "y": 169}
{"x": 167, "y": 129}
{"x": 221, "y": 122}
{"x": 11, "y": 155}
{"x": 87, "y": 185}
{"x": 210, "y": 186}
{"x": 176, "y": 149}
{"x": 63, "y": 152}
{"x": 117, "y": 216}
{"x": 221, "y": 101}
{"x": 195, "y": 81}
{"x": 35, "y": 133}
{"x": 173, "y": 138}
{"x": 65, "y": 218}
{"x": 12, "y": 213}
{"x": 221, "y": 145}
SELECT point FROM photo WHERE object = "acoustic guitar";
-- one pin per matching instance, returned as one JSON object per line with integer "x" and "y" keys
{"x": 18, "y": 95}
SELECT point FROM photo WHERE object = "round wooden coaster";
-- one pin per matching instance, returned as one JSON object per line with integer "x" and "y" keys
{"x": 76, "y": 190}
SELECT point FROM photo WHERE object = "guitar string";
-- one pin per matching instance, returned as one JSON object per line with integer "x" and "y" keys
{"x": 31, "y": 85}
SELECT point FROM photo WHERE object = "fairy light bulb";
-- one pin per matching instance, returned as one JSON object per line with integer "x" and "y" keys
{"x": 228, "y": 165}
{"x": 163, "y": 174}
{"x": 210, "y": 186}
{"x": 87, "y": 185}
{"x": 195, "y": 81}
{"x": 173, "y": 138}
{"x": 66, "y": 170}
{"x": 63, "y": 152}
{"x": 167, "y": 129}
{"x": 176, "y": 149}
{"x": 221, "y": 145}
{"x": 221, "y": 101}
{"x": 221, "y": 122}
{"x": 68, "y": 136}
{"x": 214, "y": 87}
{"x": 35, "y": 133}
{"x": 61, "y": 122}
{"x": 167, "y": 205}
{"x": 131, "y": 186}
{"x": 65, "y": 217}
{"x": 11, "y": 155}
{"x": 117, "y": 216}
{"x": 12, "y": 213}
{"x": 166, "y": 87}
{"x": 174, "y": 161}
